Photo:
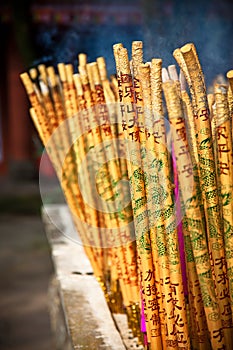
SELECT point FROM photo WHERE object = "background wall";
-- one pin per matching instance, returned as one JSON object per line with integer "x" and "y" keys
{"x": 38, "y": 31}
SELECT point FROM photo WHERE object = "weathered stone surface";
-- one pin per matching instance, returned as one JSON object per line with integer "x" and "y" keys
{"x": 80, "y": 316}
{"x": 61, "y": 337}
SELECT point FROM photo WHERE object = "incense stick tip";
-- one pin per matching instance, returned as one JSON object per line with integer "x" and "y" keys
{"x": 165, "y": 75}
{"x": 43, "y": 87}
{"x": 33, "y": 73}
{"x": 62, "y": 71}
{"x": 230, "y": 74}
{"x": 186, "y": 48}
{"x": 27, "y": 82}
{"x": 82, "y": 58}
{"x": 173, "y": 72}
{"x": 137, "y": 44}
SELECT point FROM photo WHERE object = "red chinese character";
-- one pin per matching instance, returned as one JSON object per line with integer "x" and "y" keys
{"x": 136, "y": 83}
{"x": 224, "y": 168}
{"x": 204, "y": 114}
{"x": 222, "y": 278}
{"x": 221, "y": 262}
{"x": 183, "y": 150}
{"x": 224, "y": 294}
{"x": 187, "y": 168}
{"x": 126, "y": 78}
{"x": 137, "y": 96}
{"x": 129, "y": 91}
{"x": 147, "y": 133}
{"x": 150, "y": 290}
{"x": 221, "y": 130}
{"x": 181, "y": 133}
{"x": 131, "y": 123}
{"x": 106, "y": 129}
{"x": 173, "y": 287}
{"x": 222, "y": 148}
{"x": 149, "y": 276}
{"x": 179, "y": 121}
{"x": 120, "y": 93}
{"x": 155, "y": 319}
{"x": 218, "y": 334}
{"x": 153, "y": 304}
{"x": 227, "y": 310}
{"x": 156, "y": 136}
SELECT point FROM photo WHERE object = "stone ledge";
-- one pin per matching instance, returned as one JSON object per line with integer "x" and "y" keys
{"x": 80, "y": 316}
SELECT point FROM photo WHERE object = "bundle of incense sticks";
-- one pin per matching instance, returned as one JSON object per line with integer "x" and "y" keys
{"x": 162, "y": 245}
{"x": 76, "y": 120}
{"x": 152, "y": 199}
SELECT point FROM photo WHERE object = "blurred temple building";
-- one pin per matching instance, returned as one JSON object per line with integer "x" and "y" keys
{"x": 35, "y": 32}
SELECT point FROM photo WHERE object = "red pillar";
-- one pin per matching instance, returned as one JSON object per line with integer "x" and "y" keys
{"x": 19, "y": 124}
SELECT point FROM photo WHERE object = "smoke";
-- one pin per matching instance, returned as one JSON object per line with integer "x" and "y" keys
{"x": 163, "y": 25}
{"x": 208, "y": 24}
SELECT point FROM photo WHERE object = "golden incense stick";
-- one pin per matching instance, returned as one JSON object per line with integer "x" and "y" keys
{"x": 225, "y": 174}
{"x": 185, "y": 175}
{"x": 209, "y": 188}
{"x": 126, "y": 95}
